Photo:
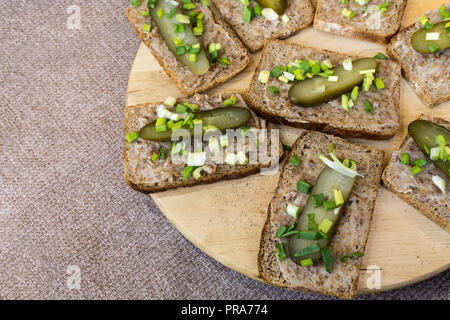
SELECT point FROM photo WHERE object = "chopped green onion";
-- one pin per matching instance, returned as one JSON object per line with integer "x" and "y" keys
{"x": 179, "y": 28}
{"x": 445, "y": 14}
{"x": 225, "y": 61}
{"x": 314, "y": 248}
{"x": 433, "y": 47}
{"x": 181, "y": 18}
{"x": 292, "y": 210}
{"x": 415, "y": 170}
{"x": 327, "y": 259}
{"x": 162, "y": 152}
{"x": 193, "y": 57}
{"x": 152, "y": 3}
{"x": 348, "y": 13}
{"x": 354, "y": 94}
{"x": 247, "y": 15}
{"x": 172, "y": 13}
{"x": 380, "y": 56}
{"x": 329, "y": 205}
{"x": 312, "y": 225}
{"x": 379, "y": 83}
{"x": 294, "y": 160}
{"x": 276, "y": 72}
{"x": 325, "y": 226}
{"x": 178, "y": 42}
{"x": 230, "y": 101}
{"x": 338, "y": 197}
{"x": 132, "y": 136}
{"x": 197, "y": 173}
{"x": 257, "y": 10}
{"x": 307, "y": 235}
{"x": 286, "y": 147}
{"x": 274, "y": 90}
{"x": 155, "y": 157}
{"x": 367, "y": 82}
{"x": 368, "y": 107}
{"x": 244, "y": 131}
{"x": 281, "y": 251}
{"x": 351, "y": 255}
{"x": 420, "y": 162}
{"x": 186, "y": 172}
{"x": 160, "y": 12}
{"x": 306, "y": 262}
{"x": 135, "y": 3}
{"x": 303, "y": 186}
{"x": 318, "y": 199}
{"x": 405, "y": 159}
{"x": 146, "y": 27}
{"x": 345, "y": 102}
{"x": 181, "y": 108}
{"x": 282, "y": 230}
{"x": 145, "y": 13}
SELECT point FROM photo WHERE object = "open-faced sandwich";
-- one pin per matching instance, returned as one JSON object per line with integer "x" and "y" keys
{"x": 419, "y": 171}
{"x": 195, "y": 47}
{"x": 327, "y": 91}
{"x": 195, "y": 140}
{"x": 422, "y": 50}
{"x": 256, "y": 20}
{"x": 374, "y": 20}
{"x": 319, "y": 218}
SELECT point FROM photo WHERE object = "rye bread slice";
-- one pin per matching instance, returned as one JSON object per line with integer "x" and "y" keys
{"x": 327, "y": 117}
{"x": 419, "y": 191}
{"x": 353, "y": 229}
{"x": 428, "y": 74}
{"x": 300, "y": 13}
{"x": 215, "y": 30}
{"x": 152, "y": 176}
{"x": 372, "y": 26}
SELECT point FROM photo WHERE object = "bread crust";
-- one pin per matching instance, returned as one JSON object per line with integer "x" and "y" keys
{"x": 324, "y": 127}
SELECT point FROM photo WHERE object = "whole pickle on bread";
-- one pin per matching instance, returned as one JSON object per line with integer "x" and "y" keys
{"x": 433, "y": 40}
{"x": 314, "y": 91}
{"x": 433, "y": 140}
{"x": 169, "y": 18}
{"x": 220, "y": 118}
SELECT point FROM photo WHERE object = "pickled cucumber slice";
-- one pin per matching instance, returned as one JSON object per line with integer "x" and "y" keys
{"x": 317, "y": 90}
{"x": 424, "y": 134}
{"x": 166, "y": 28}
{"x": 221, "y": 118}
{"x": 327, "y": 181}
{"x": 279, "y": 6}
{"x": 420, "y": 44}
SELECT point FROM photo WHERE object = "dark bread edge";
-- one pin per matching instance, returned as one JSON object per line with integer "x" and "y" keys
{"x": 316, "y": 126}
{"x": 421, "y": 206}
{"x": 267, "y": 229}
{"x": 205, "y": 86}
{"x": 351, "y": 32}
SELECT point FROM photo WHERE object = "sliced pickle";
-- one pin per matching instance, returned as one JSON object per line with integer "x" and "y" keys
{"x": 424, "y": 134}
{"x": 317, "y": 90}
{"x": 420, "y": 44}
{"x": 221, "y": 118}
{"x": 328, "y": 179}
{"x": 279, "y": 6}
{"x": 166, "y": 28}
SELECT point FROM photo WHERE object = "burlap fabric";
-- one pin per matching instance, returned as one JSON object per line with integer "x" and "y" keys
{"x": 65, "y": 209}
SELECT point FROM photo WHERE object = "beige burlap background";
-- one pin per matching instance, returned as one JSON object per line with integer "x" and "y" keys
{"x": 63, "y": 200}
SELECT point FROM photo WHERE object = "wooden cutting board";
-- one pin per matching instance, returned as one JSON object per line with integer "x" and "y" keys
{"x": 225, "y": 219}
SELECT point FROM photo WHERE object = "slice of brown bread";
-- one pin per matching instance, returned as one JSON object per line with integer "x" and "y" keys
{"x": 327, "y": 117}
{"x": 299, "y": 12}
{"x": 372, "y": 26}
{"x": 353, "y": 229}
{"x": 419, "y": 190}
{"x": 215, "y": 30}
{"x": 428, "y": 74}
{"x": 152, "y": 176}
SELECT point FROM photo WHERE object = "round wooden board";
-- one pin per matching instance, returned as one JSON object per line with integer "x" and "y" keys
{"x": 225, "y": 219}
